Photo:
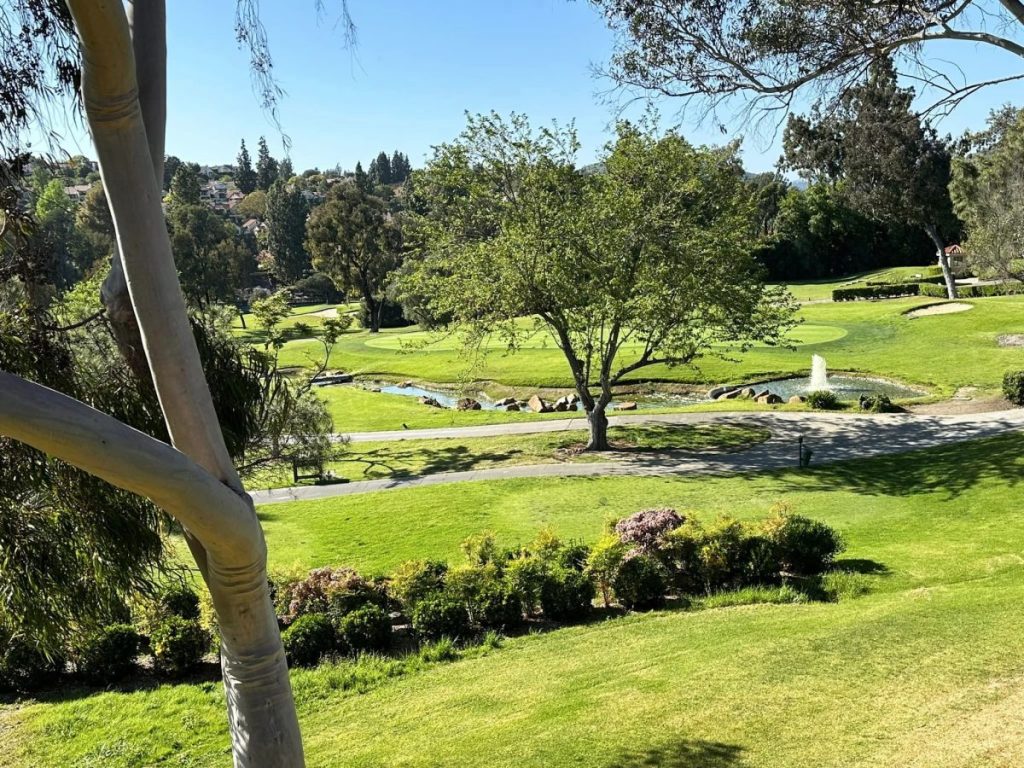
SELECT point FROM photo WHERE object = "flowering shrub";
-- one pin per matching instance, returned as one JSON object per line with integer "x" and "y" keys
{"x": 336, "y": 591}
{"x": 645, "y": 530}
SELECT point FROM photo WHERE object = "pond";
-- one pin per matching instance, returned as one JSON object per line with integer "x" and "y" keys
{"x": 845, "y": 387}
{"x": 450, "y": 397}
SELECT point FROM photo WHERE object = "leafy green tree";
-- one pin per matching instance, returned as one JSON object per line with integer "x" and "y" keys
{"x": 645, "y": 263}
{"x": 171, "y": 165}
{"x": 245, "y": 176}
{"x": 185, "y": 186}
{"x": 988, "y": 194}
{"x": 286, "y": 232}
{"x": 887, "y": 163}
{"x": 213, "y": 265}
{"x": 357, "y": 243}
{"x": 252, "y": 206}
{"x": 267, "y": 171}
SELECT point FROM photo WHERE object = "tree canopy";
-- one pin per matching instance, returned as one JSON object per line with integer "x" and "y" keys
{"x": 645, "y": 263}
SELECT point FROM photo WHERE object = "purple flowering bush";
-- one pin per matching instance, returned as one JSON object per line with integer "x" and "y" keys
{"x": 646, "y": 530}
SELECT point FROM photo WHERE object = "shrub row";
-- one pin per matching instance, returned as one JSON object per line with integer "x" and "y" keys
{"x": 167, "y": 627}
{"x": 974, "y": 291}
{"x": 884, "y": 291}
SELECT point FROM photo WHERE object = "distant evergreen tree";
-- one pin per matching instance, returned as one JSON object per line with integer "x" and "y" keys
{"x": 362, "y": 180}
{"x": 400, "y": 168}
{"x": 380, "y": 169}
{"x": 286, "y": 231}
{"x": 185, "y": 186}
{"x": 286, "y": 171}
{"x": 245, "y": 176}
{"x": 266, "y": 167}
{"x": 171, "y": 164}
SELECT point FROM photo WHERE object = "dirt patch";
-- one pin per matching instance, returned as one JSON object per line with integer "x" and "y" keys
{"x": 966, "y": 400}
{"x": 946, "y": 308}
{"x": 1011, "y": 340}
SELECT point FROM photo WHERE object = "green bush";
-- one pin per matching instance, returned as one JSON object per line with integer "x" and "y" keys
{"x": 319, "y": 288}
{"x": 417, "y": 579}
{"x": 525, "y": 576}
{"x": 178, "y": 600}
{"x": 804, "y": 547}
{"x": 973, "y": 291}
{"x": 365, "y": 629}
{"x": 108, "y": 654}
{"x": 722, "y": 554}
{"x": 1013, "y": 387}
{"x": 603, "y": 563}
{"x": 178, "y": 645}
{"x": 574, "y": 556}
{"x": 885, "y": 291}
{"x": 567, "y": 595}
{"x": 760, "y": 562}
{"x": 308, "y": 639}
{"x": 640, "y": 583}
{"x": 496, "y": 606}
{"x": 441, "y": 615}
{"x": 25, "y": 667}
{"x": 878, "y": 404}
{"x": 822, "y": 400}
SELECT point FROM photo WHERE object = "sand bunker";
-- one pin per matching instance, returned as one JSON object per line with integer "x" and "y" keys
{"x": 331, "y": 312}
{"x": 1011, "y": 340}
{"x": 940, "y": 309}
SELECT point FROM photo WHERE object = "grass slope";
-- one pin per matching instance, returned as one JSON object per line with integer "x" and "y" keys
{"x": 924, "y": 671}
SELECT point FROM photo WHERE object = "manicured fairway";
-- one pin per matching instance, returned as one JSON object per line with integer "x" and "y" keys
{"x": 942, "y": 352}
{"x": 924, "y": 671}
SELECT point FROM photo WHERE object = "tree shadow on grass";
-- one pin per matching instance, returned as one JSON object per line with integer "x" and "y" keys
{"x": 949, "y": 471}
{"x": 860, "y": 565}
{"x": 398, "y": 463}
{"x": 684, "y": 753}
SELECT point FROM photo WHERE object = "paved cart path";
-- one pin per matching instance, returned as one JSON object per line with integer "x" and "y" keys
{"x": 832, "y": 436}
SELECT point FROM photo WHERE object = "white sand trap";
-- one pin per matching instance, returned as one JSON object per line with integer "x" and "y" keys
{"x": 330, "y": 312}
{"x": 1011, "y": 340}
{"x": 940, "y": 309}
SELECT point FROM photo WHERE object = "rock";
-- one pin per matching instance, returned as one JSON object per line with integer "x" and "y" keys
{"x": 561, "y": 406}
{"x": 431, "y": 402}
{"x": 567, "y": 403}
{"x": 468, "y": 404}
{"x": 764, "y": 393}
{"x": 512, "y": 407}
{"x": 505, "y": 401}
{"x": 729, "y": 394}
{"x": 572, "y": 407}
{"x": 768, "y": 398}
{"x": 797, "y": 399}
{"x": 375, "y": 389}
{"x": 747, "y": 392}
{"x": 405, "y": 384}
{"x": 537, "y": 405}
{"x": 574, "y": 399}
{"x": 629, "y": 405}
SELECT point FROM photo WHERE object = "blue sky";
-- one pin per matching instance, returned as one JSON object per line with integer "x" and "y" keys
{"x": 417, "y": 67}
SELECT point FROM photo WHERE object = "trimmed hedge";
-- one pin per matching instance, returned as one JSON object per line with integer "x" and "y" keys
{"x": 974, "y": 291}
{"x": 886, "y": 291}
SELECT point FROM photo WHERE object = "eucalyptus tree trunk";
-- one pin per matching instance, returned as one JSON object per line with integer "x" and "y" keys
{"x": 940, "y": 251}
{"x": 195, "y": 481}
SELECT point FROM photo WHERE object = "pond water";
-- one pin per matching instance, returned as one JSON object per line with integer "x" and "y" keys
{"x": 845, "y": 387}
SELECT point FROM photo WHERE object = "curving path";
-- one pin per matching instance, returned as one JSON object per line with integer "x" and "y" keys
{"x": 832, "y": 436}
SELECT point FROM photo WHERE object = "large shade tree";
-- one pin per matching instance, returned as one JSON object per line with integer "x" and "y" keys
{"x": 355, "y": 241}
{"x": 644, "y": 263}
{"x": 117, "y": 52}
{"x": 771, "y": 52}
{"x": 886, "y": 163}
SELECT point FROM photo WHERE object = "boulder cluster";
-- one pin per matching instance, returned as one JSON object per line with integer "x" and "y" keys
{"x": 765, "y": 397}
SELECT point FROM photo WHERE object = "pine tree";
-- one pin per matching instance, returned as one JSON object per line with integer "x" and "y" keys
{"x": 380, "y": 169}
{"x": 286, "y": 171}
{"x": 400, "y": 167}
{"x": 245, "y": 176}
{"x": 266, "y": 167}
{"x": 186, "y": 185}
{"x": 286, "y": 232}
{"x": 362, "y": 180}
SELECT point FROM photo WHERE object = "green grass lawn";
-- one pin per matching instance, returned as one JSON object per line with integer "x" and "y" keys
{"x": 821, "y": 290}
{"x": 925, "y": 671}
{"x": 409, "y": 458}
{"x": 940, "y": 352}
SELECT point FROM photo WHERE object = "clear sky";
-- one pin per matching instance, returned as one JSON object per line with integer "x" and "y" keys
{"x": 417, "y": 67}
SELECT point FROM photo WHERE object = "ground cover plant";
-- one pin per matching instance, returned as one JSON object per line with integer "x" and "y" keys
{"x": 929, "y": 538}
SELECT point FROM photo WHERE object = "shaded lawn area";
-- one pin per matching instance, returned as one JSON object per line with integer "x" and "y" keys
{"x": 924, "y": 672}
{"x": 411, "y": 458}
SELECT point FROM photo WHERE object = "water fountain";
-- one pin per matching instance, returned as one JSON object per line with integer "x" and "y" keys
{"x": 819, "y": 374}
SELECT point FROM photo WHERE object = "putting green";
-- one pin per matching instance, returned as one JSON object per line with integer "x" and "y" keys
{"x": 802, "y": 335}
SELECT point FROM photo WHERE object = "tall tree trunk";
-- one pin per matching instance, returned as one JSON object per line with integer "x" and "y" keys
{"x": 940, "y": 251}
{"x": 598, "y": 420}
{"x": 230, "y": 553}
{"x": 372, "y": 311}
